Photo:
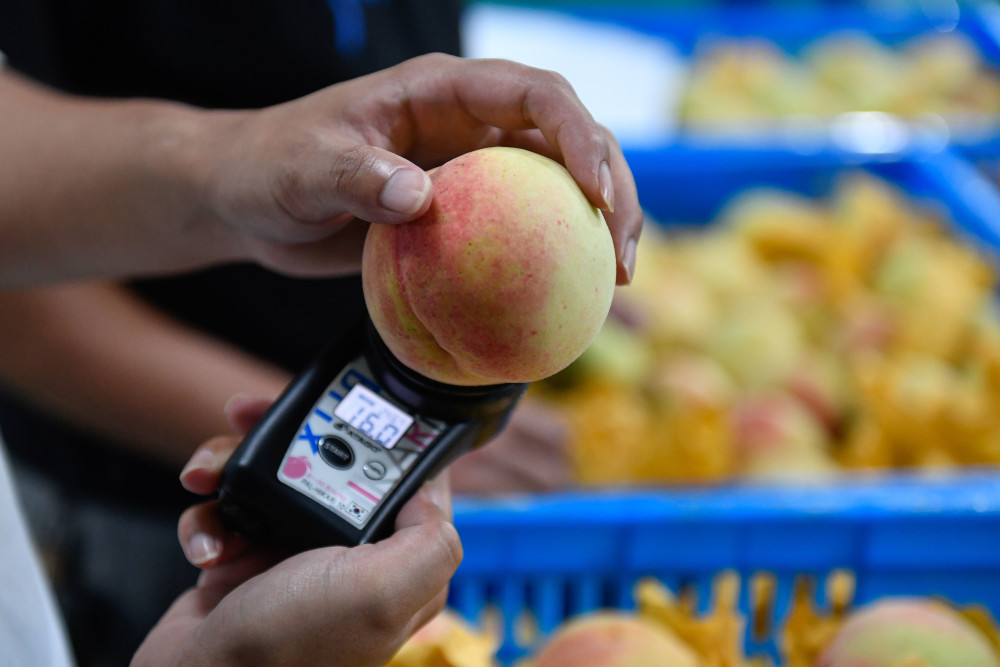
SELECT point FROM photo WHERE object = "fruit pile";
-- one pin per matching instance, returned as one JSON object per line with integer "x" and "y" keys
{"x": 667, "y": 630}
{"x": 751, "y": 80}
{"x": 792, "y": 337}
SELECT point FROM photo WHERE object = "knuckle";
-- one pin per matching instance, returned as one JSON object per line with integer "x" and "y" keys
{"x": 599, "y": 140}
{"x": 349, "y": 169}
{"x": 450, "y": 545}
{"x": 437, "y": 59}
{"x": 303, "y": 185}
{"x": 291, "y": 191}
{"x": 609, "y": 135}
{"x": 384, "y": 615}
{"x": 555, "y": 82}
{"x": 425, "y": 65}
{"x": 604, "y": 134}
{"x": 596, "y": 137}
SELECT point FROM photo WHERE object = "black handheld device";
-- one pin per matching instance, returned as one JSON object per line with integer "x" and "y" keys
{"x": 350, "y": 440}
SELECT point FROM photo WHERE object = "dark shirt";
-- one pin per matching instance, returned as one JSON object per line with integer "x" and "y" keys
{"x": 220, "y": 54}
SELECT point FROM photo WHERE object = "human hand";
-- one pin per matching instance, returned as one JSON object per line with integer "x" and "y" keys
{"x": 531, "y": 454}
{"x": 332, "y": 606}
{"x": 297, "y": 179}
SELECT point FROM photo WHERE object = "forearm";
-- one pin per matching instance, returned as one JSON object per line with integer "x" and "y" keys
{"x": 104, "y": 360}
{"x": 102, "y": 188}
{"x": 109, "y": 188}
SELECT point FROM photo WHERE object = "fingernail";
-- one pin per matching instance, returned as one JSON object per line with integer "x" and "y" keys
{"x": 203, "y": 459}
{"x": 405, "y": 191}
{"x": 203, "y": 548}
{"x": 607, "y": 187}
{"x": 628, "y": 258}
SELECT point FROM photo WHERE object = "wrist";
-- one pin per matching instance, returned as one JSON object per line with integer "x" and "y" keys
{"x": 183, "y": 147}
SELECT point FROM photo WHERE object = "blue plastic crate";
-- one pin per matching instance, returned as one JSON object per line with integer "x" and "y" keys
{"x": 555, "y": 556}
{"x": 688, "y": 185}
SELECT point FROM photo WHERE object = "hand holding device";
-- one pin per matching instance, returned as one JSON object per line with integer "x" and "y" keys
{"x": 348, "y": 443}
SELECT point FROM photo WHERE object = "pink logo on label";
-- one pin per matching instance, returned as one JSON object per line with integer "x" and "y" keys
{"x": 420, "y": 438}
{"x": 296, "y": 467}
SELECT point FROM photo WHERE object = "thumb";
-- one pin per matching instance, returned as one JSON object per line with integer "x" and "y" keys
{"x": 372, "y": 184}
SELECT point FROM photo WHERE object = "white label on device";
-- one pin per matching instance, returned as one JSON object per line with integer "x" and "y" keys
{"x": 354, "y": 446}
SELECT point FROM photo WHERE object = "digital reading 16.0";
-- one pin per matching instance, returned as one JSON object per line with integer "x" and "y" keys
{"x": 374, "y": 416}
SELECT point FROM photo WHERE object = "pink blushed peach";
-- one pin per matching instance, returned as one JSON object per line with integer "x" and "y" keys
{"x": 507, "y": 278}
{"x": 898, "y": 631}
{"x": 615, "y": 639}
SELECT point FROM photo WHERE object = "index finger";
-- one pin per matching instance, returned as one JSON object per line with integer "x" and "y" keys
{"x": 203, "y": 470}
{"x": 511, "y": 96}
{"x": 625, "y": 222}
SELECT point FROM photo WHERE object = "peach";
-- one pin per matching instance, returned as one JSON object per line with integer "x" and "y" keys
{"x": 507, "y": 278}
{"x": 821, "y": 382}
{"x": 777, "y": 436}
{"x": 615, "y": 639}
{"x": 897, "y": 631}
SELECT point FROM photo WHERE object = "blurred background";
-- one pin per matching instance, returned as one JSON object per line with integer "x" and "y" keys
{"x": 821, "y": 234}
{"x": 790, "y": 419}
{"x": 783, "y": 448}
